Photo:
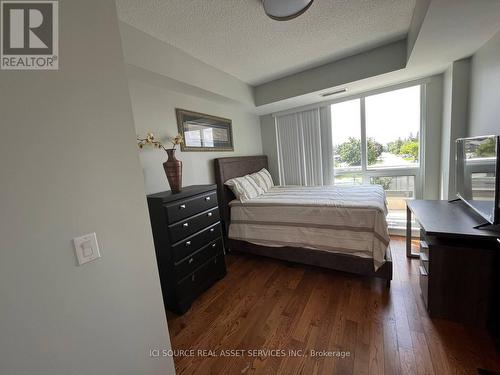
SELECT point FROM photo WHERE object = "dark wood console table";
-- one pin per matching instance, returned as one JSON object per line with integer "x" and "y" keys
{"x": 459, "y": 265}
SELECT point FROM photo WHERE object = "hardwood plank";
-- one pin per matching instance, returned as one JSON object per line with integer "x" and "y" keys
{"x": 227, "y": 327}
{"x": 313, "y": 310}
{"x": 273, "y": 305}
{"x": 346, "y": 365}
{"x": 252, "y": 331}
{"x": 407, "y": 359}
{"x": 336, "y": 290}
{"x": 364, "y": 320}
{"x": 402, "y": 322}
{"x": 421, "y": 351}
{"x": 392, "y": 365}
{"x": 376, "y": 349}
{"x": 298, "y": 306}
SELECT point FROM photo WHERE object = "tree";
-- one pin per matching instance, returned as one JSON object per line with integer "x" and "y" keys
{"x": 407, "y": 147}
{"x": 349, "y": 152}
{"x": 409, "y": 150}
{"x": 375, "y": 149}
{"x": 486, "y": 149}
{"x": 384, "y": 181}
{"x": 394, "y": 146}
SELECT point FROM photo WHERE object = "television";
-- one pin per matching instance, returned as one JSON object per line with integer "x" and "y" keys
{"x": 478, "y": 175}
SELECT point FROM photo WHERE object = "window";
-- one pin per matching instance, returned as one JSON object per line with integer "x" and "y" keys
{"x": 397, "y": 189}
{"x": 376, "y": 140}
{"x": 346, "y": 132}
{"x": 346, "y": 135}
{"x": 393, "y": 127}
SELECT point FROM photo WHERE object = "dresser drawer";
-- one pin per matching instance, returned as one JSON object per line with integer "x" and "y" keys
{"x": 188, "y": 207}
{"x": 189, "y": 245}
{"x": 195, "y": 260}
{"x": 424, "y": 255}
{"x": 193, "y": 224}
{"x": 201, "y": 279}
{"x": 424, "y": 285}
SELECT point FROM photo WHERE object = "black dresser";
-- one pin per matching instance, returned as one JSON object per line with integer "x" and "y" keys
{"x": 188, "y": 242}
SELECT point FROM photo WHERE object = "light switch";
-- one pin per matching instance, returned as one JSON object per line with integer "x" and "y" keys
{"x": 86, "y": 248}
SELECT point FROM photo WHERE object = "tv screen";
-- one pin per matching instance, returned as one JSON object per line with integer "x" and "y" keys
{"x": 478, "y": 175}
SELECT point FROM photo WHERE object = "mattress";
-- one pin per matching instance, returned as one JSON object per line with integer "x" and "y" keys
{"x": 347, "y": 220}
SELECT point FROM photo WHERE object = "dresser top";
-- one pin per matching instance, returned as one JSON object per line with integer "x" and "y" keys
{"x": 187, "y": 191}
{"x": 449, "y": 219}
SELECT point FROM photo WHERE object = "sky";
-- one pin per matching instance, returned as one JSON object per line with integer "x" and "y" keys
{"x": 389, "y": 116}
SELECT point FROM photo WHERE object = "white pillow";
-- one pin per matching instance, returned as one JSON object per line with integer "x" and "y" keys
{"x": 244, "y": 188}
{"x": 263, "y": 179}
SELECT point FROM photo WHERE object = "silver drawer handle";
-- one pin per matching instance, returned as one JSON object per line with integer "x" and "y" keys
{"x": 207, "y": 198}
{"x": 213, "y": 245}
{"x": 192, "y": 277}
{"x": 182, "y": 206}
{"x": 188, "y": 243}
{"x": 209, "y": 214}
{"x": 185, "y": 225}
{"x": 423, "y": 272}
{"x": 215, "y": 261}
{"x": 191, "y": 261}
{"x": 212, "y": 229}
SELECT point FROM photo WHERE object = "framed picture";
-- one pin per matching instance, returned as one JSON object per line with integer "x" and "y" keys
{"x": 204, "y": 132}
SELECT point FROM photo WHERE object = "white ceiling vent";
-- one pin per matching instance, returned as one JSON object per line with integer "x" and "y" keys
{"x": 333, "y": 92}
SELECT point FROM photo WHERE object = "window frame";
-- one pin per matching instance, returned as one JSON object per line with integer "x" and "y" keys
{"x": 366, "y": 172}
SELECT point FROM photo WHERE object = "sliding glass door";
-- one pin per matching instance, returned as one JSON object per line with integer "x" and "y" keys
{"x": 377, "y": 140}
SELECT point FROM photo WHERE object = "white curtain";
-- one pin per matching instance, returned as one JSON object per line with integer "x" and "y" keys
{"x": 304, "y": 147}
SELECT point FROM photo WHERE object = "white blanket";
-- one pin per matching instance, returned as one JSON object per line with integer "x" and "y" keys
{"x": 348, "y": 220}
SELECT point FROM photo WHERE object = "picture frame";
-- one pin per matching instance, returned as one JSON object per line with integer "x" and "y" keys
{"x": 203, "y": 132}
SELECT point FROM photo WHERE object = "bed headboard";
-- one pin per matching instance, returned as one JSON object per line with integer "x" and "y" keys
{"x": 227, "y": 168}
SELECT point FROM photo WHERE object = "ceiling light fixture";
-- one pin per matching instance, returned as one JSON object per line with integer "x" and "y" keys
{"x": 333, "y": 92}
{"x": 284, "y": 10}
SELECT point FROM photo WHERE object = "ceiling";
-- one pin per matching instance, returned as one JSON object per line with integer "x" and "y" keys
{"x": 236, "y": 36}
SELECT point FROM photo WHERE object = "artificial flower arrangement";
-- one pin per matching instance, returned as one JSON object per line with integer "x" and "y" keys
{"x": 173, "y": 166}
{"x": 150, "y": 140}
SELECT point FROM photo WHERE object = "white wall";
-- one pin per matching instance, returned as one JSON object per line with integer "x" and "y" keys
{"x": 156, "y": 89}
{"x": 446, "y": 134}
{"x": 154, "y": 111}
{"x": 455, "y": 119}
{"x": 433, "y": 122}
{"x": 418, "y": 17}
{"x": 69, "y": 166}
{"x": 377, "y": 61}
{"x": 143, "y": 50}
{"x": 485, "y": 89}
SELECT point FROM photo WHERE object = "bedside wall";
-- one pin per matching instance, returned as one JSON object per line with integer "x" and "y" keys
{"x": 485, "y": 90}
{"x": 154, "y": 110}
{"x": 159, "y": 82}
{"x": 69, "y": 167}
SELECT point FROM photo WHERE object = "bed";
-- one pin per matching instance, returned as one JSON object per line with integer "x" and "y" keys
{"x": 300, "y": 225}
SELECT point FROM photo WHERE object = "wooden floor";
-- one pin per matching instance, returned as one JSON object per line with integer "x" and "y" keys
{"x": 267, "y": 304}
